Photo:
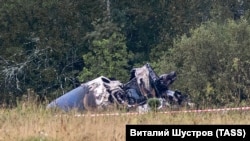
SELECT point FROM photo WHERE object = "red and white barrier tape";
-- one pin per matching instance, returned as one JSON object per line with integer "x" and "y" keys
{"x": 211, "y": 110}
{"x": 168, "y": 112}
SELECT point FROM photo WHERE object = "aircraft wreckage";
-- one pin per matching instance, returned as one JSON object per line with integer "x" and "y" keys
{"x": 102, "y": 92}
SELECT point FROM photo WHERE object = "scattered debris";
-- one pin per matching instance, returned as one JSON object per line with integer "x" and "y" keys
{"x": 143, "y": 86}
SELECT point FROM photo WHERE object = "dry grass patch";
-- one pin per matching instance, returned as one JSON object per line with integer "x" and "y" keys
{"x": 33, "y": 123}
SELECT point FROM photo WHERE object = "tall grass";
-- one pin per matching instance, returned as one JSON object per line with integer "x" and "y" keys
{"x": 34, "y": 123}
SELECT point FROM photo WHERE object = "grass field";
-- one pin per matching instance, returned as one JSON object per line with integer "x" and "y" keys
{"x": 35, "y": 123}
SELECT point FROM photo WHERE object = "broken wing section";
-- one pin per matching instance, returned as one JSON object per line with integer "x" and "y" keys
{"x": 90, "y": 95}
{"x": 70, "y": 100}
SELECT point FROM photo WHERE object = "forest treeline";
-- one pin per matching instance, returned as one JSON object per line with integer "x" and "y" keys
{"x": 49, "y": 47}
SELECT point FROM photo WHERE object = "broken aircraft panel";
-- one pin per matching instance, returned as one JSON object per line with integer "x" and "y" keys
{"x": 92, "y": 94}
{"x": 99, "y": 93}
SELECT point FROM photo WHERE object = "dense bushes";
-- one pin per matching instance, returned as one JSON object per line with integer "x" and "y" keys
{"x": 213, "y": 63}
{"x": 52, "y": 46}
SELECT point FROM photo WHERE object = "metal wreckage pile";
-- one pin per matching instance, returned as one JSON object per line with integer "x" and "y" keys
{"x": 144, "y": 85}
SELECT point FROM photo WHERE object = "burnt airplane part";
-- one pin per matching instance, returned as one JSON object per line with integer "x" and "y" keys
{"x": 102, "y": 92}
{"x": 71, "y": 100}
{"x": 95, "y": 94}
{"x": 145, "y": 84}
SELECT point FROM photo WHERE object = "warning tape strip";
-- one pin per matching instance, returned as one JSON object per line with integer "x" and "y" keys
{"x": 211, "y": 110}
{"x": 167, "y": 112}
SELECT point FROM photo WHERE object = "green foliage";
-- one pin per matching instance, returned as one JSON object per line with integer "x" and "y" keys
{"x": 107, "y": 56}
{"x": 42, "y": 44}
{"x": 213, "y": 62}
{"x": 47, "y": 45}
{"x": 154, "y": 103}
